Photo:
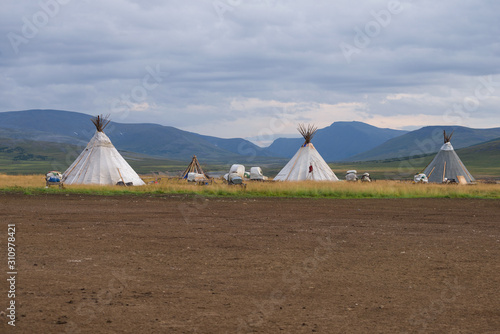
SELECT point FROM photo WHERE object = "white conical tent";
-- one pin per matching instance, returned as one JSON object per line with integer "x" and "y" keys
{"x": 446, "y": 165}
{"x": 100, "y": 162}
{"x": 307, "y": 163}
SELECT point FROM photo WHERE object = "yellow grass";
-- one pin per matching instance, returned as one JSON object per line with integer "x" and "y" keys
{"x": 22, "y": 180}
{"x": 379, "y": 189}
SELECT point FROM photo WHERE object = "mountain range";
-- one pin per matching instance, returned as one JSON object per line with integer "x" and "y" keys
{"x": 150, "y": 139}
{"x": 427, "y": 140}
{"x": 341, "y": 141}
{"x": 338, "y": 141}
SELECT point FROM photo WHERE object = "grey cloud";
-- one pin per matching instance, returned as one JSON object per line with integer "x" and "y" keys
{"x": 283, "y": 50}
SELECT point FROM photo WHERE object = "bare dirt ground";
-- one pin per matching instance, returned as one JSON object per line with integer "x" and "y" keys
{"x": 91, "y": 264}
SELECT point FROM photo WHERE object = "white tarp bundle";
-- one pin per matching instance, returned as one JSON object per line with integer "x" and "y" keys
{"x": 351, "y": 175}
{"x": 101, "y": 163}
{"x": 194, "y": 177}
{"x": 257, "y": 174}
{"x": 237, "y": 169}
{"x": 420, "y": 178}
{"x": 306, "y": 164}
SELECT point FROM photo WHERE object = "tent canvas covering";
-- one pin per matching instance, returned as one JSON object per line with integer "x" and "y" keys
{"x": 100, "y": 162}
{"x": 307, "y": 163}
{"x": 446, "y": 165}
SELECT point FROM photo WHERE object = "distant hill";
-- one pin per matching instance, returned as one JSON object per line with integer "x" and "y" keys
{"x": 18, "y": 134}
{"x": 425, "y": 141}
{"x": 338, "y": 141}
{"x": 23, "y": 156}
{"x": 152, "y": 139}
{"x": 485, "y": 154}
{"x": 482, "y": 160}
{"x": 341, "y": 141}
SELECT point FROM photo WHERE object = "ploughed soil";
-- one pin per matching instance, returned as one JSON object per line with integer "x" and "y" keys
{"x": 129, "y": 264}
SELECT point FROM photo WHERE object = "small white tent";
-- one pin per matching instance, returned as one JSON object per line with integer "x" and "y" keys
{"x": 447, "y": 166}
{"x": 307, "y": 163}
{"x": 100, "y": 162}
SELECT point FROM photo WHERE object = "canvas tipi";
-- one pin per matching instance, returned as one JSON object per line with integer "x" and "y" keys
{"x": 307, "y": 163}
{"x": 100, "y": 162}
{"x": 194, "y": 167}
{"x": 447, "y": 166}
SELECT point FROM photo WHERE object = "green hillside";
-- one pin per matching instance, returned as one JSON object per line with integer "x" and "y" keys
{"x": 38, "y": 157}
{"x": 426, "y": 140}
{"x": 31, "y": 157}
{"x": 18, "y": 156}
{"x": 482, "y": 160}
{"x": 338, "y": 141}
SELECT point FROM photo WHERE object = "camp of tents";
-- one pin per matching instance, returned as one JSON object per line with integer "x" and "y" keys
{"x": 101, "y": 163}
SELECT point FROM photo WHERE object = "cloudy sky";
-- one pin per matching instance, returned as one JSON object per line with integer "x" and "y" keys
{"x": 255, "y": 68}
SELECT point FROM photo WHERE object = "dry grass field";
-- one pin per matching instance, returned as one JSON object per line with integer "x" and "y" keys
{"x": 33, "y": 184}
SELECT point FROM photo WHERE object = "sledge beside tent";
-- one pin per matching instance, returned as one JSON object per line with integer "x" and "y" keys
{"x": 194, "y": 172}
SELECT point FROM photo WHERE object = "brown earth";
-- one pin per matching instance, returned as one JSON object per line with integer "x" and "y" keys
{"x": 90, "y": 264}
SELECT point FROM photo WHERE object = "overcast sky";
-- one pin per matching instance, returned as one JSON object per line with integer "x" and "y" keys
{"x": 255, "y": 68}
